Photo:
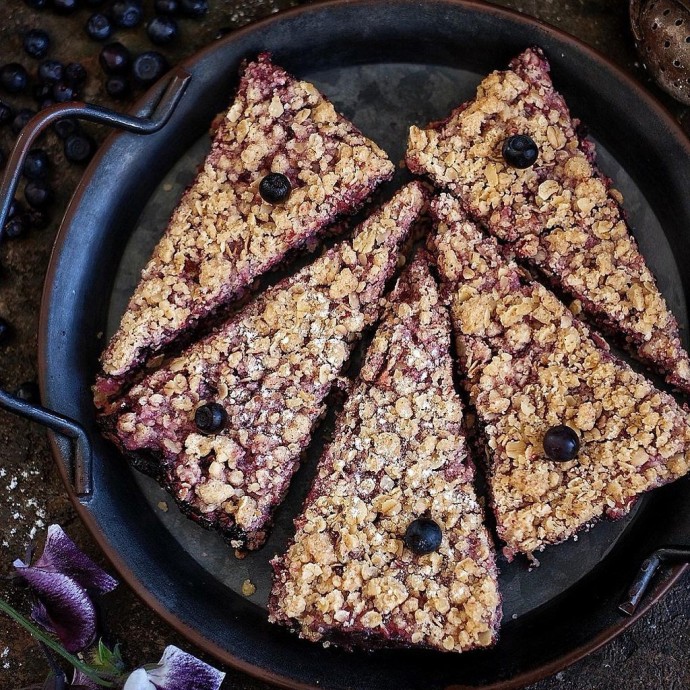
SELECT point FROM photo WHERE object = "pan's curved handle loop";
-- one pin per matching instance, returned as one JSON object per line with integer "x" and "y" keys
{"x": 93, "y": 113}
{"x": 81, "y": 466}
{"x": 650, "y": 565}
{"x": 157, "y": 118}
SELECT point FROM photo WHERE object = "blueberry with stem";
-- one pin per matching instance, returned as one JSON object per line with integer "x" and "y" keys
{"x": 79, "y": 148}
{"x": 36, "y": 164}
{"x": 162, "y": 30}
{"x": 114, "y": 58}
{"x": 38, "y": 194}
{"x": 6, "y": 113}
{"x": 149, "y": 67}
{"x": 127, "y": 13}
{"x": 50, "y": 71}
{"x": 99, "y": 27}
{"x": 13, "y": 77}
{"x": 36, "y": 43}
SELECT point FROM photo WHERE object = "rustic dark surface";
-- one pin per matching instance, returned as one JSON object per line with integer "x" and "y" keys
{"x": 652, "y": 655}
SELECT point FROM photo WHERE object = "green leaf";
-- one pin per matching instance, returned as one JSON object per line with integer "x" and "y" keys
{"x": 107, "y": 661}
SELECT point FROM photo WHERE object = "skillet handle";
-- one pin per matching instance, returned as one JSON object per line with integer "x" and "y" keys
{"x": 81, "y": 465}
{"x": 148, "y": 124}
{"x": 160, "y": 115}
{"x": 650, "y": 565}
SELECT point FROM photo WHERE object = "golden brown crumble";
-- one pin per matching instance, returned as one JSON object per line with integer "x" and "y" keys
{"x": 399, "y": 453}
{"x": 223, "y": 234}
{"x": 560, "y": 214}
{"x": 270, "y": 367}
{"x": 531, "y": 365}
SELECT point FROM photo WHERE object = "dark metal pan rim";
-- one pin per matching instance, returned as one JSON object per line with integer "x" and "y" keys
{"x": 88, "y": 518}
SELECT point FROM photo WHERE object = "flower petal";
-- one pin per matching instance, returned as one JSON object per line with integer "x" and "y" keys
{"x": 64, "y": 609}
{"x": 79, "y": 680}
{"x": 179, "y": 670}
{"x": 62, "y": 555}
{"x": 139, "y": 680}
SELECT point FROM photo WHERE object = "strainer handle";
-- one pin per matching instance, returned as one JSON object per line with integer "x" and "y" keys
{"x": 635, "y": 6}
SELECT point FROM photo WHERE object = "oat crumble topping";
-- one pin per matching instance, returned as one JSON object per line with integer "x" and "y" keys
{"x": 399, "y": 453}
{"x": 222, "y": 234}
{"x": 560, "y": 216}
{"x": 270, "y": 367}
{"x": 530, "y": 365}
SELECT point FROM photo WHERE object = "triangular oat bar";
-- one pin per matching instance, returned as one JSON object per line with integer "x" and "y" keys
{"x": 391, "y": 548}
{"x": 229, "y": 418}
{"x": 558, "y": 214}
{"x": 532, "y": 367}
{"x": 223, "y": 233}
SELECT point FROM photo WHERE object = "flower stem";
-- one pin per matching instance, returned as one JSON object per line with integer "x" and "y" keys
{"x": 52, "y": 644}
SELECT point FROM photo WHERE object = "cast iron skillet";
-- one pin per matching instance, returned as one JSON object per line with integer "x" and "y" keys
{"x": 326, "y": 40}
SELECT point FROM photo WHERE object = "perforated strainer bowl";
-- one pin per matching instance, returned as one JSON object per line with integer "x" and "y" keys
{"x": 662, "y": 37}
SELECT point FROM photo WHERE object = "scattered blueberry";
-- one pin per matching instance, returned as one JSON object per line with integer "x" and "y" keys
{"x": 15, "y": 227}
{"x": 98, "y": 27}
{"x": 28, "y": 392}
{"x": 561, "y": 443}
{"x": 65, "y": 6}
{"x": 194, "y": 8}
{"x": 50, "y": 71}
{"x": 127, "y": 13}
{"x": 115, "y": 58}
{"x": 423, "y": 535}
{"x": 210, "y": 417}
{"x": 117, "y": 86}
{"x": 63, "y": 92}
{"x": 65, "y": 127}
{"x": 162, "y": 30}
{"x": 36, "y": 219}
{"x": 21, "y": 118}
{"x": 79, "y": 148}
{"x": 38, "y": 194}
{"x": 166, "y": 6}
{"x": 13, "y": 77}
{"x": 36, "y": 43}
{"x": 274, "y": 188}
{"x": 36, "y": 4}
{"x": 36, "y": 164}
{"x": 149, "y": 67}
{"x": 16, "y": 209}
{"x": 41, "y": 91}
{"x": 75, "y": 75}
{"x": 520, "y": 151}
{"x": 6, "y": 113}
{"x": 5, "y": 330}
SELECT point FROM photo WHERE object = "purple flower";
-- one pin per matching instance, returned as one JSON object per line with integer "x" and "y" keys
{"x": 176, "y": 670}
{"x": 80, "y": 680}
{"x": 62, "y": 579}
